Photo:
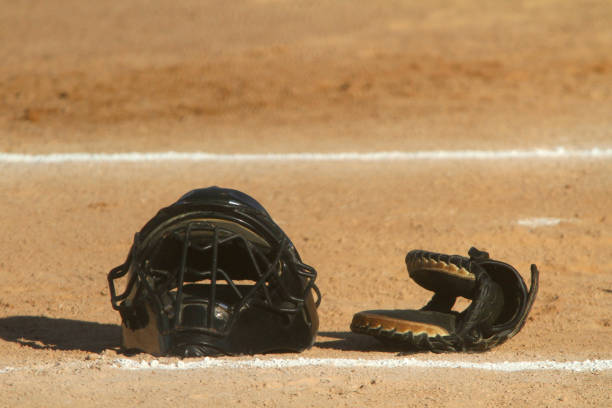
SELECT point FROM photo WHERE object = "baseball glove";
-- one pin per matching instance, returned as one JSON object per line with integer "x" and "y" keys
{"x": 213, "y": 274}
{"x": 500, "y": 304}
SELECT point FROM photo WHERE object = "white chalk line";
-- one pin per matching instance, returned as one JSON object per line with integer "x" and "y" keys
{"x": 575, "y": 366}
{"x": 136, "y": 157}
{"x": 276, "y": 363}
{"x": 539, "y": 222}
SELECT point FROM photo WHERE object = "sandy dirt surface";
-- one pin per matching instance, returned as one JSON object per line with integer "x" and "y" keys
{"x": 280, "y": 76}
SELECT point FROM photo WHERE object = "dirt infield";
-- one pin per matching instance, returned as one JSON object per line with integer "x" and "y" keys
{"x": 292, "y": 77}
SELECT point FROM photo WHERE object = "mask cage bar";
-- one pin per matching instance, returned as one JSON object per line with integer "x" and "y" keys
{"x": 119, "y": 272}
{"x": 232, "y": 236}
{"x": 180, "y": 278}
{"x": 310, "y": 274}
{"x": 304, "y": 271}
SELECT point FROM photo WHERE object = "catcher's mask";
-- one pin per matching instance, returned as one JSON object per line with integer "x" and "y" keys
{"x": 213, "y": 274}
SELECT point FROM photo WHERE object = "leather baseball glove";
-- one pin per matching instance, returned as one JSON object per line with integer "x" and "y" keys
{"x": 500, "y": 304}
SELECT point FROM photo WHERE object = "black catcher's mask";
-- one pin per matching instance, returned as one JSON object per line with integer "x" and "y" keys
{"x": 213, "y": 274}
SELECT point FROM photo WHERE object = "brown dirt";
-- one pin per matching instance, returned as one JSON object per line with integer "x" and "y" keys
{"x": 276, "y": 76}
